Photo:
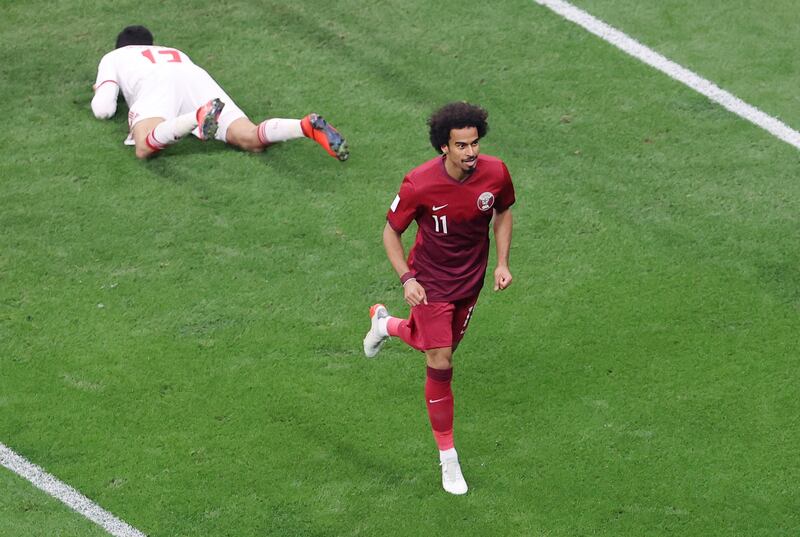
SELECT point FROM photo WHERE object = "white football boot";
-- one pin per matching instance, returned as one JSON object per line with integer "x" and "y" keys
{"x": 373, "y": 341}
{"x": 452, "y": 478}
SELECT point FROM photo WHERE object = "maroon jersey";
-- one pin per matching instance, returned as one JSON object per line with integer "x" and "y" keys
{"x": 451, "y": 250}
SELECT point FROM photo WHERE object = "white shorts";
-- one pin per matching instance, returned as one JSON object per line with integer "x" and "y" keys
{"x": 178, "y": 89}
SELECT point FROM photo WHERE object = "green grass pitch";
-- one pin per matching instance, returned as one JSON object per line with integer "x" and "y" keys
{"x": 180, "y": 339}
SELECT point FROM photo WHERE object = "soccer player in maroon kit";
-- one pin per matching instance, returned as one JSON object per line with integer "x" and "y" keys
{"x": 453, "y": 199}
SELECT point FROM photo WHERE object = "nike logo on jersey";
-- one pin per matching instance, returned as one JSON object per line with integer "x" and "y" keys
{"x": 431, "y": 401}
{"x": 435, "y": 208}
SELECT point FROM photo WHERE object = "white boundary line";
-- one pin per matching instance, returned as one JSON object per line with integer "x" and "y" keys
{"x": 66, "y": 494}
{"x": 654, "y": 59}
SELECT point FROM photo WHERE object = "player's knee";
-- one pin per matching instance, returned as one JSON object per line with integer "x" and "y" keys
{"x": 443, "y": 363}
{"x": 252, "y": 147}
{"x": 243, "y": 134}
{"x": 440, "y": 358}
{"x": 143, "y": 153}
{"x": 246, "y": 143}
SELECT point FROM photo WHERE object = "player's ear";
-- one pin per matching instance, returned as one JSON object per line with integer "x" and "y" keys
{"x": 444, "y": 148}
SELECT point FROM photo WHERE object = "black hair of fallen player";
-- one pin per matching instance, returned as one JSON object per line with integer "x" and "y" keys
{"x": 134, "y": 35}
{"x": 456, "y": 115}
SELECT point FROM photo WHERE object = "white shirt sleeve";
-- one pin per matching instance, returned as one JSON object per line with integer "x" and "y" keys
{"x": 104, "y": 102}
{"x": 106, "y": 89}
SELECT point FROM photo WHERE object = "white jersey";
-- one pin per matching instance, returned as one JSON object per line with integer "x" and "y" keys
{"x": 129, "y": 67}
{"x": 160, "y": 82}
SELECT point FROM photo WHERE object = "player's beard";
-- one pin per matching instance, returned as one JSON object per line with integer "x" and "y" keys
{"x": 470, "y": 166}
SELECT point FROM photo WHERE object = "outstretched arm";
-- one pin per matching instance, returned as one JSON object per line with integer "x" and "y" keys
{"x": 413, "y": 292}
{"x": 503, "y": 223}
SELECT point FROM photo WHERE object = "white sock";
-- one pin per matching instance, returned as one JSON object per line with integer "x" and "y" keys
{"x": 170, "y": 131}
{"x": 279, "y": 130}
{"x": 383, "y": 331}
{"x": 448, "y": 454}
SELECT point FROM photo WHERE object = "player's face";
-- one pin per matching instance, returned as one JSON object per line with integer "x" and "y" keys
{"x": 461, "y": 152}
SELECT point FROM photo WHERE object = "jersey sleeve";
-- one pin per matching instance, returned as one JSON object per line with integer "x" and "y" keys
{"x": 404, "y": 207}
{"x": 507, "y": 197}
{"x": 104, "y": 102}
{"x": 106, "y": 72}
{"x": 106, "y": 89}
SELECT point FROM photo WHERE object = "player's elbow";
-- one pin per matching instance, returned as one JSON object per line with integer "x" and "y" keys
{"x": 103, "y": 114}
{"x": 104, "y": 102}
{"x": 103, "y": 110}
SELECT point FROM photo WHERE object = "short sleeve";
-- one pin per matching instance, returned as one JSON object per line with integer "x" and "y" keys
{"x": 507, "y": 197}
{"x": 404, "y": 207}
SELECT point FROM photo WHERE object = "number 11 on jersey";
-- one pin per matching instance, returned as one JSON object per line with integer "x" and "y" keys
{"x": 443, "y": 219}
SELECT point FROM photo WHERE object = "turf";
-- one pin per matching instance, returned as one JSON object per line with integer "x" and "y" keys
{"x": 743, "y": 49}
{"x": 24, "y": 510}
{"x": 180, "y": 338}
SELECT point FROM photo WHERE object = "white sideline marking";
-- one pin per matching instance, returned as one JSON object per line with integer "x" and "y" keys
{"x": 654, "y": 59}
{"x": 68, "y": 495}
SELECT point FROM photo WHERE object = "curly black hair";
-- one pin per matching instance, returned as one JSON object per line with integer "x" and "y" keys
{"x": 134, "y": 35}
{"x": 456, "y": 116}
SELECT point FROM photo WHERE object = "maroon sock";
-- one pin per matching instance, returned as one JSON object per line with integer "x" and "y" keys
{"x": 439, "y": 399}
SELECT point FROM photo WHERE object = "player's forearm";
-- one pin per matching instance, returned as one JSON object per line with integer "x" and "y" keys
{"x": 104, "y": 102}
{"x": 394, "y": 250}
{"x": 503, "y": 224}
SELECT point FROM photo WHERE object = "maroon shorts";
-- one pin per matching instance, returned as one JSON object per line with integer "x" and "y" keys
{"x": 440, "y": 324}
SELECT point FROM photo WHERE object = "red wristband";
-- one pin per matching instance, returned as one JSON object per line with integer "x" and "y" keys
{"x": 405, "y": 277}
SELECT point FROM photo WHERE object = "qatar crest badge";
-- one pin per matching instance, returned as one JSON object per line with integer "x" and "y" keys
{"x": 485, "y": 201}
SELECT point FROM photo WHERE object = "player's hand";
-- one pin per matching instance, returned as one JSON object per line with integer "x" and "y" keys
{"x": 502, "y": 277}
{"x": 414, "y": 293}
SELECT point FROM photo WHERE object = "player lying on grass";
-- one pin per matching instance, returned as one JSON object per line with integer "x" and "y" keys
{"x": 168, "y": 97}
{"x": 453, "y": 199}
